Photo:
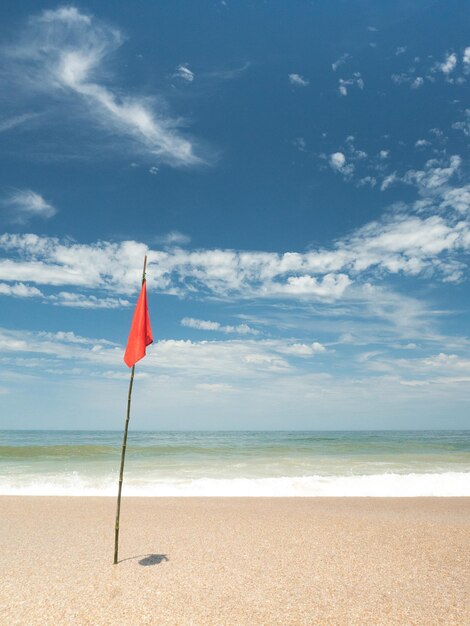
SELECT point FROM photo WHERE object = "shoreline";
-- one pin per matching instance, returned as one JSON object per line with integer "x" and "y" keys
{"x": 228, "y": 560}
{"x": 132, "y": 497}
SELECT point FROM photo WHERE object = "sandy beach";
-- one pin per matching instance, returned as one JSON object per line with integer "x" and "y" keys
{"x": 235, "y": 561}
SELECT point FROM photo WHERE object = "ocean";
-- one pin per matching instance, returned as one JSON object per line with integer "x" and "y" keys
{"x": 368, "y": 463}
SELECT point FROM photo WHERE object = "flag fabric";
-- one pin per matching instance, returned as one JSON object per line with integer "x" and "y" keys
{"x": 141, "y": 332}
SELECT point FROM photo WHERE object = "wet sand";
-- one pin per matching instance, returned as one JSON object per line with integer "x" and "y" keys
{"x": 235, "y": 561}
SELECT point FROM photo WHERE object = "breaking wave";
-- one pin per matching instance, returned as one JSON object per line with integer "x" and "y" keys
{"x": 375, "y": 485}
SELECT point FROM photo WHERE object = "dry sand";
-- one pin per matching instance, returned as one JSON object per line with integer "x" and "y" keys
{"x": 235, "y": 561}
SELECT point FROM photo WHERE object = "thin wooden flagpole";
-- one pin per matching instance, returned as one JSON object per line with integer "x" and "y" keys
{"x": 123, "y": 451}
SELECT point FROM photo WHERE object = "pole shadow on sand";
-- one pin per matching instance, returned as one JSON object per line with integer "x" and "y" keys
{"x": 148, "y": 559}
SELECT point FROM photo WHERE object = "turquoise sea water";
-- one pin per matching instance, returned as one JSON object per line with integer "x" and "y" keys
{"x": 237, "y": 463}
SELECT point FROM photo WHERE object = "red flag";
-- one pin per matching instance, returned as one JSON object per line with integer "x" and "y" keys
{"x": 141, "y": 332}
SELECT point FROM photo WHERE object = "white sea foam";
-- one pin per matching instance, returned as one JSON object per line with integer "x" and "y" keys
{"x": 376, "y": 485}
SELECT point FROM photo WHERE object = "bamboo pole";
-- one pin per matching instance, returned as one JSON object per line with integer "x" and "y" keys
{"x": 123, "y": 451}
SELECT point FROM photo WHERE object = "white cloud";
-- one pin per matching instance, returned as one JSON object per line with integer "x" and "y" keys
{"x": 183, "y": 72}
{"x": 70, "y": 337}
{"x": 61, "y": 55}
{"x": 298, "y": 80}
{"x": 400, "y": 50}
{"x": 388, "y": 180}
{"x": 447, "y": 361}
{"x": 25, "y": 204}
{"x": 173, "y": 238}
{"x": 221, "y": 359}
{"x": 437, "y": 132}
{"x": 449, "y": 64}
{"x": 436, "y": 369}
{"x": 224, "y": 361}
{"x": 338, "y": 163}
{"x": 349, "y": 160}
{"x": 406, "y": 244}
{"x": 263, "y": 373}
{"x": 303, "y": 349}
{"x": 398, "y": 79}
{"x": 80, "y": 301}
{"x": 457, "y": 198}
{"x": 367, "y": 181}
{"x": 421, "y": 72}
{"x": 345, "y": 83}
{"x": 463, "y": 125}
{"x": 337, "y": 160}
{"x": 19, "y": 290}
{"x": 434, "y": 174}
{"x": 417, "y": 83}
{"x": 421, "y": 143}
{"x": 59, "y": 345}
{"x": 329, "y": 287}
{"x": 240, "y": 329}
{"x": 342, "y": 59}
{"x": 62, "y": 298}
{"x": 466, "y": 58}
{"x": 300, "y": 144}
{"x": 427, "y": 239}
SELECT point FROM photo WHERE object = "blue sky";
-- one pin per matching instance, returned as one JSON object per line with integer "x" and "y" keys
{"x": 297, "y": 174}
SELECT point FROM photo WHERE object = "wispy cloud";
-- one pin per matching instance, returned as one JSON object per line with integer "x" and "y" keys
{"x": 300, "y": 144}
{"x": 20, "y": 290}
{"x": 61, "y": 55}
{"x": 429, "y": 236}
{"x": 466, "y": 59}
{"x": 173, "y": 238}
{"x": 304, "y": 349}
{"x": 360, "y": 168}
{"x": 388, "y": 181}
{"x": 435, "y": 173}
{"x": 417, "y": 83}
{"x": 257, "y": 371}
{"x": 81, "y": 301}
{"x": 464, "y": 124}
{"x": 418, "y": 245}
{"x": 63, "y": 298}
{"x": 183, "y": 72}
{"x": 345, "y": 83}
{"x": 367, "y": 181}
{"x": 23, "y": 204}
{"x": 298, "y": 81}
{"x": 240, "y": 329}
{"x": 436, "y": 369}
{"x": 17, "y": 120}
{"x": 452, "y": 68}
{"x": 341, "y": 61}
{"x": 229, "y": 74}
